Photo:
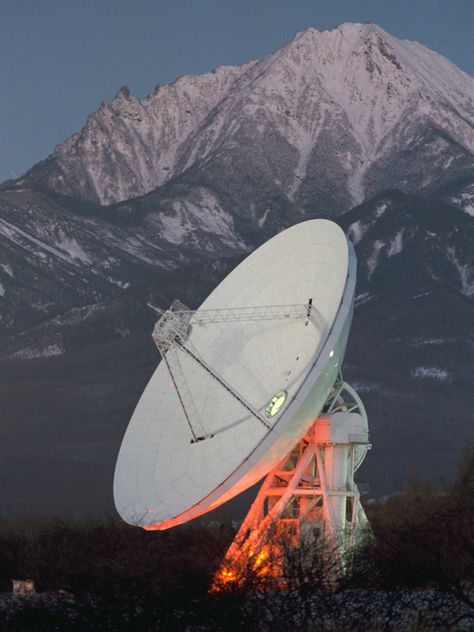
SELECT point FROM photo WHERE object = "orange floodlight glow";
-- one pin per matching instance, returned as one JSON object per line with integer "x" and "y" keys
{"x": 227, "y": 575}
{"x": 260, "y": 558}
{"x": 238, "y": 568}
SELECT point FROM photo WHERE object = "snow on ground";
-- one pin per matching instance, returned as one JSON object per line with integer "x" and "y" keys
{"x": 44, "y": 351}
{"x": 205, "y": 215}
{"x": 263, "y": 219}
{"x": 17, "y": 235}
{"x": 365, "y": 297}
{"x": 465, "y": 273}
{"x": 304, "y": 138}
{"x": 176, "y": 226}
{"x": 380, "y": 210}
{"x": 6, "y": 267}
{"x": 124, "y": 285}
{"x": 465, "y": 200}
{"x": 374, "y": 257}
{"x": 421, "y": 295}
{"x": 356, "y": 231}
{"x": 435, "y": 342}
{"x": 396, "y": 244}
{"x": 70, "y": 245}
{"x": 430, "y": 373}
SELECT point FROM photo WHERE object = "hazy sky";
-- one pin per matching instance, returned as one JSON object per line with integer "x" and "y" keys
{"x": 60, "y": 58}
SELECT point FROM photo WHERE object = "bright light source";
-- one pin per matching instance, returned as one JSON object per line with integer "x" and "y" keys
{"x": 275, "y": 404}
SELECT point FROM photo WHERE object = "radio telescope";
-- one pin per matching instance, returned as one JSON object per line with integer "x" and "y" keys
{"x": 249, "y": 386}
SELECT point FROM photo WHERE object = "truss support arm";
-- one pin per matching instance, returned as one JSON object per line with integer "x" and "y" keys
{"x": 224, "y": 384}
{"x": 171, "y": 333}
{"x": 181, "y": 313}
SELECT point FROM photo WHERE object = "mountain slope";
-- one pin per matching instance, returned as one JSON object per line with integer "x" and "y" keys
{"x": 411, "y": 349}
{"x": 327, "y": 120}
{"x": 57, "y": 254}
{"x": 411, "y": 241}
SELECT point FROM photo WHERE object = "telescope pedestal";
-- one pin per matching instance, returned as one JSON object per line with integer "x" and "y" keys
{"x": 309, "y": 501}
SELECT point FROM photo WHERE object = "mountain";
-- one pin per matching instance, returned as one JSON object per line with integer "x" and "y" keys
{"x": 222, "y": 161}
{"x": 411, "y": 348}
{"x": 57, "y": 253}
{"x": 160, "y": 198}
{"x": 375, "y": 107}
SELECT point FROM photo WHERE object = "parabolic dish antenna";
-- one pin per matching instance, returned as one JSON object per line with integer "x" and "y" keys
{"x": 242, "y": 379}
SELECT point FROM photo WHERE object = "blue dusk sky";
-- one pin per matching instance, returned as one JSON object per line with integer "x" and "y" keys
{"x": 60, "y": 58}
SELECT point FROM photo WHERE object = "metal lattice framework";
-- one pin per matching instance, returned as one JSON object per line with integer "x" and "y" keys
{"x": 171, "y": 337}
{"x": 301, "y": 491}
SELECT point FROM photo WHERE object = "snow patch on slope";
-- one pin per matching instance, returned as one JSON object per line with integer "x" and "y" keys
{"x": 19, "y": 236}
{"x": 395, "y": 246}
{"x": 372, "y": 261}
{"x": 46, "y": 349}
{"x": 357, "y": 230}
{"x": 263, "y": 219}
{"x": 74, "y": 250}
{"x": 465, "y": 271}
{"x": 430, "y": 373}
{"x": 465, "y": 200}
{"x": 6, "y": 267}
{"x": 186, "y": 218}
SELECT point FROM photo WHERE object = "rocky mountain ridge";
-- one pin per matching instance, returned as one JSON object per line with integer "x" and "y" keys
{"x": 365, "y": 100}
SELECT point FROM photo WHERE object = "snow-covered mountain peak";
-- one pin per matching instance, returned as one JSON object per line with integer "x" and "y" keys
{"x": 342, "y": 41}
{"x": 434, "y": 75}
{"x": 355, "y": 93}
